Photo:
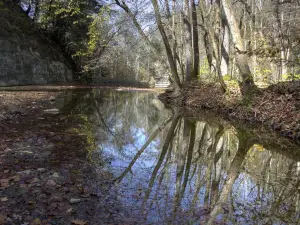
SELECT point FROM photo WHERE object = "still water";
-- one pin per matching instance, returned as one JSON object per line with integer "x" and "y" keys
{"x": 170, "y": 169}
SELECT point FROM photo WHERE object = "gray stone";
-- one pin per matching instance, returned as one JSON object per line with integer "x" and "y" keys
{"x": 75, "y": 200}
{"x": 25, "y": 172}
{"x": 41, "y": 170}
{"x": 55, "y": 175}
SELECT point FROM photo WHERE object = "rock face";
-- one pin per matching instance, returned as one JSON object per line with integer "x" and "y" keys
{"x": 26, "y": 55}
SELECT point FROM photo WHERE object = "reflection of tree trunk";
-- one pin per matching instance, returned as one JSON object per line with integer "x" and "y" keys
{"x": 233, "y": 172}
{"x": 180, "y": 158}
{"x": 198, "y": 187}
{"x": 165, "y": 147}
{"x": 140, "y": 152}
{"x": 192, "y": 126}
{"x": 201, "y": 142}
{"x": 161, "y": 178}
{"x": 216, "y": 180}
{"x": 189, "y": 130}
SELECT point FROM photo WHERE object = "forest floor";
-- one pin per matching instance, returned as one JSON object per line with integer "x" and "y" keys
{"x": 276, "y": 106}
{"x": 46, "y": 176}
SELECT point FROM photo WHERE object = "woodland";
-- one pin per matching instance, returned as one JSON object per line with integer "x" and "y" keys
{"x": 178, "y": 112}
{"x": 240, "y": 58}
{"x": 251, "y": 42}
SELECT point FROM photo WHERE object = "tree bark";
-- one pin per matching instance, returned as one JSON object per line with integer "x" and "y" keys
{"x": 188, "y": 42}
{"x": 195, "y": 40}
{"x": 171, "y": 59}
{"x": 247, "y": 85}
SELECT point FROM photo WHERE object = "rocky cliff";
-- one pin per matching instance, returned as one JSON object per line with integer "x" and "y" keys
{"x": 26, "y": 55}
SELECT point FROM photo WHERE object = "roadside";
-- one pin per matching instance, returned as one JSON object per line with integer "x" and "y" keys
{"x": 49, "y": 173}
{"x": 277, "y": 106}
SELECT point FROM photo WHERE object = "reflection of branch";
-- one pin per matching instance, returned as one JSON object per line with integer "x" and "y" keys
{"x": 103, "y": 121}
{"x": 138, "y": 154}
{"x": 168, "y": 140}
{"x": 192, "y": 126}
{"x": 233, "y": 173}
{"x": 160, "y": 180}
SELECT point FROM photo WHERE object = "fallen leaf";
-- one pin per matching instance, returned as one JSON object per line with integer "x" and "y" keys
{"x": 36, "y": 221}
{"x": 4, "y": 183}
{"x": 4, "y": 199}
{"x": 70, "y": 210}
{"x": 15, "y": 178}
{"x": 79, "y": 222}
{"x": 51, "y": 183}
{"x": 2, "y": 218}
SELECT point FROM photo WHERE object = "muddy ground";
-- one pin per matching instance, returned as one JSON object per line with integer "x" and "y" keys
{"x": 49, "y": 173}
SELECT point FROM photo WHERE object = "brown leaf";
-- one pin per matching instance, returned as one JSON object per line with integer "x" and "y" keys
{"x": 79, "y": 222}
{"x": 4, "y": 183}
{"x": 36, "y": 221}
{"x": 15, "y": 178}
{"x": 2, "y": 218}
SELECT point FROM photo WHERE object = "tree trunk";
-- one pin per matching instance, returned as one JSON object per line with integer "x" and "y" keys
{"x": 247, "y": 85}
{"x": 195, "y": 40}
{"x": 188, "y": 43}
{"x": 171, "y": 59}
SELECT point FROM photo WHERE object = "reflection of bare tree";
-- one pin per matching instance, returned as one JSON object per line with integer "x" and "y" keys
{"x": 202, "y": 169}
{"x": 169, "y": 137}
{"x": 140, "y": 152}
{"x": 211, "y": 159}
{"x": 232, "y": 174}
{"x": 110, "y": 109}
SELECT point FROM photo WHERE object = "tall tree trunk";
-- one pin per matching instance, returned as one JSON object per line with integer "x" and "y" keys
{"x": 215, "y": 41}
{"x": 225, "y": 49}
{"x": 171, "y": 59}
{"x": 195, "y": 40}
{"x": 247, "y": 85}
{"x": 188, "y": 42}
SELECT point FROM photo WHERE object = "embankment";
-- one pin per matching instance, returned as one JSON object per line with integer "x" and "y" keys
{"x": 277, "y": 106}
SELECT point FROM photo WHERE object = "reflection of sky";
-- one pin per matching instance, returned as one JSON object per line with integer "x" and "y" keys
{"x": 129, "y": 136}
{"x": 129, "y": 150}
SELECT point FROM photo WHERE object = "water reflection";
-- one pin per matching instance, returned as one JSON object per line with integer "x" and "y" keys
{"x": 170, "y": 169}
